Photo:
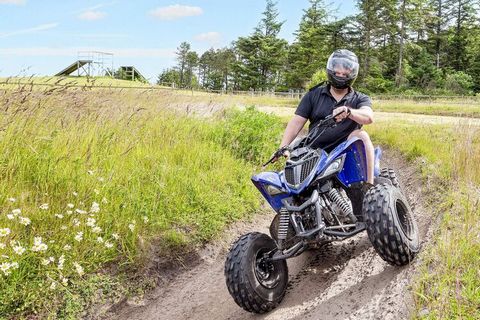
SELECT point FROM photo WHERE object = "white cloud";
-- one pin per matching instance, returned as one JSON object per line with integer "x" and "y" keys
{"x": 41, "y": 27}
{"x": 91, "y": 15}
{"x": 100, "y": 5}
{"x": 175, "y": 12}
{"x": 73, "y": 51}
{"x": 102, "y": 35}
{"x": 213, "y": 38}
{"x": 15, "y": 2}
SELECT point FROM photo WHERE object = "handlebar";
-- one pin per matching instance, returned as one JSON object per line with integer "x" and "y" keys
{"x": 328, "y": 121}
{"x": 277, "y": 154}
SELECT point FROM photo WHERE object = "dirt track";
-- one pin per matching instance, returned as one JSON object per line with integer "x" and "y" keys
{"x": 385, "y": 116}
{"x": 343, "y": 280}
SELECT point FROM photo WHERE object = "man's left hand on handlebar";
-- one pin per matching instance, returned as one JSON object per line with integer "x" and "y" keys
{"x": 341, "y": 113}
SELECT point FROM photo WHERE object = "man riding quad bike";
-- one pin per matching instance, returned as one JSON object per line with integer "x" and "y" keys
{"x": 331, "y": 189}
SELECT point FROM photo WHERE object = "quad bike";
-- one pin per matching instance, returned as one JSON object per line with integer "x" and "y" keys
{"x": 318, "y": 198}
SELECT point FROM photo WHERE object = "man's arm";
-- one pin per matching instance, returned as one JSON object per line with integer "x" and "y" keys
{"x": 363, "y": 115}
{"x": 293, "y": 128}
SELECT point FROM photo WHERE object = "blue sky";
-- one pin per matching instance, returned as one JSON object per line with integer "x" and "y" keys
{"x": 41, "y": 37}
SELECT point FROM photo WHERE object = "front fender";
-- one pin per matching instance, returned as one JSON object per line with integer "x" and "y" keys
{"x": 275, "y": 179}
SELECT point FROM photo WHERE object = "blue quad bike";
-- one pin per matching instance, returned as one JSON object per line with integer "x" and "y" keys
{"x": 318, "y": 198}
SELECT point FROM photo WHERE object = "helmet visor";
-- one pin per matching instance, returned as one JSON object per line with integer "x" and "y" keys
{"x": 343, "y": 67}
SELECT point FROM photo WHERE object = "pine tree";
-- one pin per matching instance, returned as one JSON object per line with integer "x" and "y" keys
{"x": 309, "y": 52}
{"x": 261, "y": 55}
{"x": 182, "y": 53}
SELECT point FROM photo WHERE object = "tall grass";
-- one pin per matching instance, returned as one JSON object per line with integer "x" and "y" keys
{"x": 101, "y": 178}
{"x": 447, "y": 285}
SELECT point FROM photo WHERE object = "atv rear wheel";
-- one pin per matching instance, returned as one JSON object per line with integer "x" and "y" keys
{"x": 256, "y": 285}
{"x": 391, "y": 227}
{"x": 390, "y": 175}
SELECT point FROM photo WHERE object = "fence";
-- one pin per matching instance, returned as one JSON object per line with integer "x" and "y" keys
{"x": 292, "y": 94}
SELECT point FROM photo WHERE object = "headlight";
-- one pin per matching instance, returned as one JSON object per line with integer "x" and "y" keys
{"x": 334, "y": 167}
{"x": 273, "y": 191}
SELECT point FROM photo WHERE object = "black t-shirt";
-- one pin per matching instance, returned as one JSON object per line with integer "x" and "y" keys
{"x": 319, "y": 103}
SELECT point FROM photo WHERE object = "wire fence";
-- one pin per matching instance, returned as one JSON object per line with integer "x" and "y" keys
{"x": 291, "y": 94}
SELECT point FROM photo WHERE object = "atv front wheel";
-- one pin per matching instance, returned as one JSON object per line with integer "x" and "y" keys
{"x": 256, "y": 285}
{"x": 391, "y": 227}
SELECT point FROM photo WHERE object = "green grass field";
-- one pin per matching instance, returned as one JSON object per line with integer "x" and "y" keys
{"x": 96, "y": 179}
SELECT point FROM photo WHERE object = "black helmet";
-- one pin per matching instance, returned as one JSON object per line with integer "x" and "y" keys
{"x": 344, "y": 61}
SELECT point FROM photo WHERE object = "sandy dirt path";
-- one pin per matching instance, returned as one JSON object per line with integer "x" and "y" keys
{"x": 342, "y": 280}
{"x": 385, "y": 116}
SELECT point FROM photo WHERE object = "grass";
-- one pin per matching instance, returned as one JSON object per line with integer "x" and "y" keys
{"x": 103, "y": 179}
{"x": 447, "y": 284}
{"x": 14, "y": 82}
{"x": 455, "y": 108}
{"x": 458, "y": 107}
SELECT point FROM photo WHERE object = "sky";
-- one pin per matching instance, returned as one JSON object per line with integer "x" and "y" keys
{"x": 42, "y": 37}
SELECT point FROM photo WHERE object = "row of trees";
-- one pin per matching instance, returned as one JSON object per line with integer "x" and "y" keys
{"x": 417, "y": 46}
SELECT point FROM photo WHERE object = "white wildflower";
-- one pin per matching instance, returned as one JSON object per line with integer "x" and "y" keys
{"x": 63, "y": 228}
{"x": 145, "y": 219}
{"x": 75, "y": 194}
{"x": 90, "y": 222}
{"x": 61, "y": 261}
{"x": 18, "y": 249}
{"x": 44, "y": 206}
{"x": 108, "y": 244}
{"x": 70, "y": 205}
{"x": 104, "y": 200}
{"x": 101, "y": 179}
{"x": 69, "y": 212}
{"x": 5, "y": 268}
{"x": 38, "y": 245}
{"x": 53, "y": 285}
{"x": 131, "y": 226}
{"x": 97, "y": 230}
{"x": 12, "y": 199}
{"x": 90, "y": 172}
{"x": 16, "y": 212}
{"x": 4, "y": 232}
{"x": 96, "y": 191}
{"x": 95, "y": 207}
{"x": 65, "y": 281}
{"x": 25, "y": 221}
{"x": 2, "y": 245}
{"x": 80, "y": 211}
{"x": 46, "y": 262}
{"x": 99, "y": 239}
{"x": 79, "y": 268}
{"x": 115, "y": 236}
{"x": 76, "y": 222}
{"x": 79, "y": 236}
{"x": 10, "y": 216}
{"x": 14, "y": 265}
{"x": 51, "y": 241}
{"x": 59, "y": 216}
{"x": 67, "y": 247}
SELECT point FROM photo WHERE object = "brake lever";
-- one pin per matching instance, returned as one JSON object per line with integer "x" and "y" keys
{"x": 277, "y": 155}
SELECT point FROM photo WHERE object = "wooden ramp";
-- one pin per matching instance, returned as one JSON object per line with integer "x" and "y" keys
{"x": 73, "y": 67}
{"x": 131, "y": 73}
